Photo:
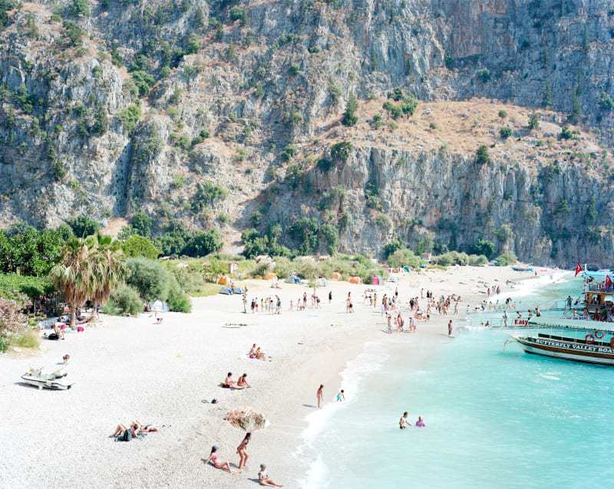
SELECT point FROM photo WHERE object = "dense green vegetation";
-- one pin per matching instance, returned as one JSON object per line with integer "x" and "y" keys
{"x": 14, "y": 286}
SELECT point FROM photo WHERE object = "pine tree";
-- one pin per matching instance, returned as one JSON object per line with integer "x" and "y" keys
{"x": 349, "y": 116}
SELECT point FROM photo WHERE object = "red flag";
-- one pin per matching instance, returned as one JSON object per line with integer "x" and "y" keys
{"x": 578, "y": 270}
{"x": 608, "y": 281}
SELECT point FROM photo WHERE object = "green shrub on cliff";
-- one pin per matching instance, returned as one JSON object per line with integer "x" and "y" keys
{"x": 349, "y": 116}
{"x": 481, "y": 156}
{"x": 505, "y": 132}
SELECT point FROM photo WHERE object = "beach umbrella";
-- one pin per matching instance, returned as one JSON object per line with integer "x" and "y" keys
{"x": 246, "y": 418}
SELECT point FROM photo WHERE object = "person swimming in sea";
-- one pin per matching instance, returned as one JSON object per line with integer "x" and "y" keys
{"x": 420, "y": 423}
{"x": 340, "y": 396}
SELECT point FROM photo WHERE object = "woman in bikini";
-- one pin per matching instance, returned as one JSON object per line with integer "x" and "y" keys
{"x": 252, "y": 352}
{"x": 320, "y": 396}
{"x": 214, "y": 458}
{"x": 242, "y": 450}
{"x": 242, "y": 382}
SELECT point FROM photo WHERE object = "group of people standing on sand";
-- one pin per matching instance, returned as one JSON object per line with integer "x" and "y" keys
{"x": 301, "y": 303}
{"x": 268, "y": 304}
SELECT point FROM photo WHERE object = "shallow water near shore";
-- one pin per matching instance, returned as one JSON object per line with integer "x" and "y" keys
{"x": 495, "y": 416}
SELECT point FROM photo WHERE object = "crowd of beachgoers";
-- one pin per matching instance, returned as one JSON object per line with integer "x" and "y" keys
{"x": 280, "y": 323}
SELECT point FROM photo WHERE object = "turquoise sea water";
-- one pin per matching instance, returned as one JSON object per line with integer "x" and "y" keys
{"x": 495, "y": 418}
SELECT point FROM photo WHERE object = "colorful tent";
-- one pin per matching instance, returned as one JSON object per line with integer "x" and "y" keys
{"x": 223, "y": 281}
{"x": 355, "y": 280}
{"x": 335, "y": 276}
{"x": 270, "y": 276}
{"x": 376, "y": 281}
{"x": 293, "y": 279}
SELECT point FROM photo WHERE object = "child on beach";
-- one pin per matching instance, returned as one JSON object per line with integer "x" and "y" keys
{"x": 214, "y": 458}
{"x": 264, "y": 479}
{"x": 340, "y": 396}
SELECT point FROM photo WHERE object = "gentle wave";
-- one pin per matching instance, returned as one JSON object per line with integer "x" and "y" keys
{"x": 370, "y": 360}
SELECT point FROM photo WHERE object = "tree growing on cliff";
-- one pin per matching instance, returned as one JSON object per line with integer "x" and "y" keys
{"x": 349, "y": 116}
{"x": 80, "y": 8}
{"x": 533, "y": 121}
{"x": 481, "y": 156}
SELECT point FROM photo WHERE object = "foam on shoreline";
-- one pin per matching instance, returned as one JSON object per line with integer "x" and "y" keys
{"x": 370, "y": 360}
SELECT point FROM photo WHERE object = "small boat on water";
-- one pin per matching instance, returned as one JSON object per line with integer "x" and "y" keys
{"x": 589, "y": 349}
{"x": 522, "y": 269}
{"x": 47, "y": 380}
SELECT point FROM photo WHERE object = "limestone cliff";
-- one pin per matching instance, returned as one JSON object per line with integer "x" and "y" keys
{"x": 111, "y": 106}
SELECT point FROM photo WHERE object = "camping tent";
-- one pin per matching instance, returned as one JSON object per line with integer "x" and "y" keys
{"x": 226, "y": 291}
{"x": 269, "y": 276}
{"x": 322, "y": 282}
{"x": 355, "y": 280}
{"x": 223, "y": 281}
{"x": 293, "y": 279}
{"x": 335, "y": 276}
{"x": 376, "y": 280}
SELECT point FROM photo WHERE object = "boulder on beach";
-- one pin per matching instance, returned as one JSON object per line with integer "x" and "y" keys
{"x": 246, "y": 418}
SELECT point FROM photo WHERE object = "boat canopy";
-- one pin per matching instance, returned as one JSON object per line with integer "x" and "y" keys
{"x": 579, "y": 324}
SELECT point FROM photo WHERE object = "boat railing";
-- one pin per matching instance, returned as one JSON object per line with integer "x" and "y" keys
{"x": 600, "y": 288}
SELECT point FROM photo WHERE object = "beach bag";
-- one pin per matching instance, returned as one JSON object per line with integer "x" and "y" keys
{"x": 80, "y": 329}
{"x": 53, "y": 336}
{"x": 127, "y": 436}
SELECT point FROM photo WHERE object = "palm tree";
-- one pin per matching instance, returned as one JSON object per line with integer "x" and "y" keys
{"x": 107, "y": 269}
{"x": 73, "y": 274}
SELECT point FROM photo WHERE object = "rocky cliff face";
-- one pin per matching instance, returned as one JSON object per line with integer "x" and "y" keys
{"x": 112, "y": 106}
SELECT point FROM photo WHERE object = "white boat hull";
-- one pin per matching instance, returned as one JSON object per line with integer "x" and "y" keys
{"x": 585, "y": 353}
{"x": 568, "y": 356}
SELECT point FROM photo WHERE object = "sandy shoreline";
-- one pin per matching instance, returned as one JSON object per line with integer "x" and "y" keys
{"x": 127, "y": 368}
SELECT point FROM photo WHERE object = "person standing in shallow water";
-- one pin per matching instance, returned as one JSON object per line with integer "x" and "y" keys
{"x": 320, "y": 396}
{"x": 450, "y": 327}
{"x": 403, "y": 423}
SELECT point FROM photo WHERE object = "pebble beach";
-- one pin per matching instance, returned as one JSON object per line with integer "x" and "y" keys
{"x": 167, "y": 374}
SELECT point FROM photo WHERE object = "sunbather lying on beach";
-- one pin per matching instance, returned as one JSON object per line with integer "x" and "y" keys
{"x": 214, "y": 458}
{"x": 264, "y": 479}
{"x": 126, "y": 434}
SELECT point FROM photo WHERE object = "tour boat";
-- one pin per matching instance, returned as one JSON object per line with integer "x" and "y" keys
{"x": 590, "y": 349}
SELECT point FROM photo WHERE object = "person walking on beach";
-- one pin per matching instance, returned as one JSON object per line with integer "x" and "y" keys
{"x": 340, "y": 396}
{"x": 450, "y": 327}
{"x": 403, "y": 423}
{"x": 242, "y": 450}
{"x": 330, "y": 297}
{"x": 264, "y": 479}
{"x": 244, "y": 303}
{"x": 320, "y": 396}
